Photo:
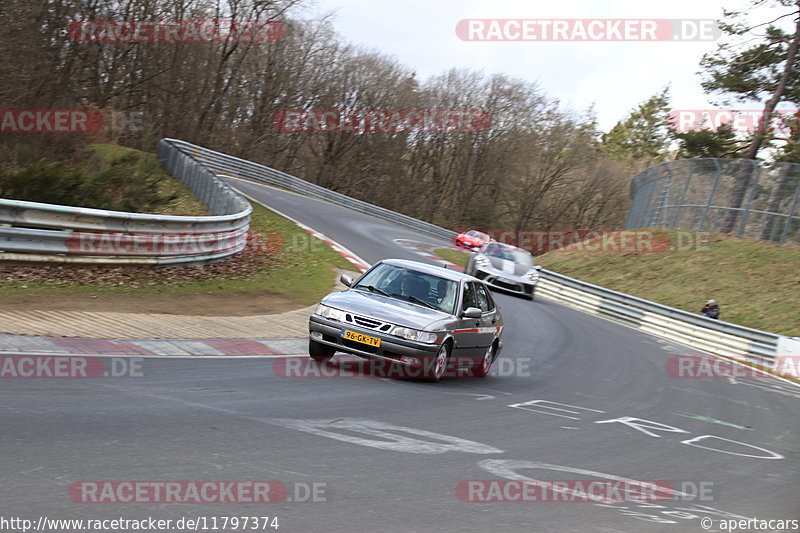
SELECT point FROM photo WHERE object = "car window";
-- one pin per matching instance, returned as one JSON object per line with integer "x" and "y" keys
{"x": 469, "y": 297}
{"x": 484, "y": 300}
{"x": 492, "y": 305}
{"x": 516, "y": 255}
{"x": 411, "y": 285}
{"x": 381, "y": 277}
{"x": 446, "y": 292}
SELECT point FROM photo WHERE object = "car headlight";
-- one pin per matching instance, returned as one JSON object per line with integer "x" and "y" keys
{"x": 409, "y": 334}
{"x": 482, "y": 260}
{"x": 330, "y": 312}
{"x": 532, "y": 274}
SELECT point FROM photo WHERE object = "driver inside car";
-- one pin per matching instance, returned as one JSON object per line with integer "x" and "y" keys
{"x": 413, "y": 286}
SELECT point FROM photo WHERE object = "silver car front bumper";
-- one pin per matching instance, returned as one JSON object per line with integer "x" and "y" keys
{"x": 511, "y": 283}
{"x": 326, "y": 331}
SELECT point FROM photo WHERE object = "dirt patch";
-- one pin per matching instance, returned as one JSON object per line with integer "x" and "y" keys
{"x": 240, "y": 266}
{"x": 238, "y": 303}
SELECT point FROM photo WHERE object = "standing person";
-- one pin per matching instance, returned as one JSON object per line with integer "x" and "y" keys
{"x": 711, "y": 309}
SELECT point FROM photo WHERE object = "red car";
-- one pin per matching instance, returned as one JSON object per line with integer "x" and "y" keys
{"x": 472, "y": 240}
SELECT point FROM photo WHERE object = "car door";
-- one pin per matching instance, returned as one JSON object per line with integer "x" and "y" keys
{"x": 466, "y": 334}
{"x": 489, "y": 320}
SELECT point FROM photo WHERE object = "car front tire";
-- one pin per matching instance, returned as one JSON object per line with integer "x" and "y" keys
{"x": 319, "y": 352}
{"x": 440, "y": 364}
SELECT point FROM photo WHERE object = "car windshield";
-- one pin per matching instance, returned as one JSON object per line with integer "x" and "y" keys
{"x": 516, "y": 255}
{"x": 408, "y": 285}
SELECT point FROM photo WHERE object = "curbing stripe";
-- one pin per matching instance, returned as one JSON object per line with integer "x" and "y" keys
{"x": 23, "y": 343}
{"x": 239, "y": 347}
{"x": 85, "y": 346}
{"x": 195, "y": 347}
{"x": 289, "y": 346}
{"x": 161, "y": 347}
{"x": 254, "y": 348}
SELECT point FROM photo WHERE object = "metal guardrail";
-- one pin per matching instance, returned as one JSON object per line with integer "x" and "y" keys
{"x": 34, "y": 232}
{"x": 226, "y": 165}
{"x": 715, "y": 336}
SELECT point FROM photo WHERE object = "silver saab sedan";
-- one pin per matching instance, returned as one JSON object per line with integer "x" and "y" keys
{"x": 505, "y": 267}
{"x": 426, "y": 320}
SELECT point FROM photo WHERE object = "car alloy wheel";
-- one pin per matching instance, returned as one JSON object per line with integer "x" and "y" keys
{"x": 440, "y": 363}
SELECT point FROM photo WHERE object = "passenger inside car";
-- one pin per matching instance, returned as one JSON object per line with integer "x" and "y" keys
{"x": 441, "y": 290}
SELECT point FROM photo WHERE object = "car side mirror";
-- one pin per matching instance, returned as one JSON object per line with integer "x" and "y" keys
{"x": 472, "y": 312}
{"x": 346, "y": 279}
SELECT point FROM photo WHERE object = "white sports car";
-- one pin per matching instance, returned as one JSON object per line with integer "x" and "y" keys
{"x": 505, "y": 267}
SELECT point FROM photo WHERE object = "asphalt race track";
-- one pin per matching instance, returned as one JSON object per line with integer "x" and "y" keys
{"x": 574, "y": 398}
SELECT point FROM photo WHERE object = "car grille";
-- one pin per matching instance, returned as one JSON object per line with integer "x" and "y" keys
{"x": 507, "y": 285}
{"x": 366, "y": 322}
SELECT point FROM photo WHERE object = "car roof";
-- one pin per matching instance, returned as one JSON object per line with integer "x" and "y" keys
{"x": 428, "y": 269}
{"x": 507, "y": 246}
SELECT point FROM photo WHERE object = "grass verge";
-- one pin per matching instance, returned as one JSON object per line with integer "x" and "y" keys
{"x": 757, "y": 284}
{"x": 457, "y": 257}
{"x": 281, "y": 261}
{"x": 101, "y": 176}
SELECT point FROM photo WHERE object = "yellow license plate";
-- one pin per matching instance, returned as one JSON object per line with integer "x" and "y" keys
{"x": 359, "y": 337}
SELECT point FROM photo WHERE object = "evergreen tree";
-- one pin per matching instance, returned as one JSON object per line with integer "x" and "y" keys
{"x": 765, "y": 68}
{"x": 706, "y": 142}
{"x": 643, "y": 134}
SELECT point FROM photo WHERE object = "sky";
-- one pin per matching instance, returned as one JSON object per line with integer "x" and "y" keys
{"x": 613, "y": 76}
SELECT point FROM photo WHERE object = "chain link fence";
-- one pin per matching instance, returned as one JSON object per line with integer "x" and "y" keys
{"x": 739, "y": 196}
